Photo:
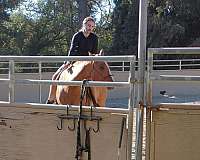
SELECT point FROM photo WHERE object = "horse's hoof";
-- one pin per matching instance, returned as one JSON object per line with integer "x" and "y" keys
{"x": 49, "y": 101}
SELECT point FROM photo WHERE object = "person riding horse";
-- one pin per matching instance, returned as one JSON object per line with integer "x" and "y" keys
{"x": 84, "y": 43}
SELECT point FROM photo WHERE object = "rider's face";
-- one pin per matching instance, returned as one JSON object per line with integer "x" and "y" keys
{"x": 89, "y": 26}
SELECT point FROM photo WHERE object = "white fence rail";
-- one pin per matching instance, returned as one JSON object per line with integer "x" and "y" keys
{"x": 165, "y": 64}
{"x": 24, "y": 63}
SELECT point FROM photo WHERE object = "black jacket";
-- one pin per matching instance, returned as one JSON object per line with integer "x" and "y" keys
{"x": 81, "y": 45}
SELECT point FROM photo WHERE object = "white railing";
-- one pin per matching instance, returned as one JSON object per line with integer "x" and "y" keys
{"x": 44, "y": 59}
{"x": 152, "y": 52}
{"x": 176, "y": 64}
{"x": 52, "y": 66}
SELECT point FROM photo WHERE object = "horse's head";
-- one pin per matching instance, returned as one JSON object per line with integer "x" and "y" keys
{"x": 101, "y": 53}
{"x": 101, "y": 72}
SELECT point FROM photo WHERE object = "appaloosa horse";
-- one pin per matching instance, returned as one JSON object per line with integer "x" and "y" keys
{"x": 81, "y": 70}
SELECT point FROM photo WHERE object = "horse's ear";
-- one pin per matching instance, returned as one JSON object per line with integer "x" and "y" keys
{"x": 101, "y": 53}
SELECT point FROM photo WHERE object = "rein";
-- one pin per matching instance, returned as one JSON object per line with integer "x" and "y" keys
{"x": 79, "y": 147}
{"x": 87, "y": 147}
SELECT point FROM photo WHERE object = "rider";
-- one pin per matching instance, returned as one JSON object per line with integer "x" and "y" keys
{"x": 84, "y": 43}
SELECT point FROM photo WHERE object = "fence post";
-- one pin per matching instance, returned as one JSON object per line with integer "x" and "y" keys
{"x": 131, "y": 106}
{"x": 40, "y": 77}
{"x": 180, "y": 63}
{"x": 11, "y": 81}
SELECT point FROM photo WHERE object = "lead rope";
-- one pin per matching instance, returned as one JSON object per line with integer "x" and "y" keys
{"x": 79, "y": 147}
{"x": 87, "y": 144}
{"x": 121, "y": 136}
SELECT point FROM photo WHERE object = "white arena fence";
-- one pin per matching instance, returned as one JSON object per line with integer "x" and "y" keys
{"x": 51, "y": 66}
{"x": 14, "y": 60}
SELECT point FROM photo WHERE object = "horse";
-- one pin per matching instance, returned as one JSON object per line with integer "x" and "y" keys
{"x": 84, "y": 70}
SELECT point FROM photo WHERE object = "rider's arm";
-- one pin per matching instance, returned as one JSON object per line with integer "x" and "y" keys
{"x": 95, "y": 45}
{"x": 74, "y": 48}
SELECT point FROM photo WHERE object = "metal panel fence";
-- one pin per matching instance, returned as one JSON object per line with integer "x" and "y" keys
{"x": 162, "y": 64}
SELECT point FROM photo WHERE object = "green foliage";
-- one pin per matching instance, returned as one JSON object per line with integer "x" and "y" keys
{"x": 125, "y": 23}
{"x": 5, "y": 7}
{"x": 170, "y": 24}
{"x": 46, "y": 34}
{"x": 46, "y": 28}
{"x": 6, "y": 44}
{"x": 104, "y": 25}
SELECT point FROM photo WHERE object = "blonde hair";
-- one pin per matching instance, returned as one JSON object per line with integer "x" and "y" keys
{"x": 85, "y": 21}
{"x": 88, "y": 19}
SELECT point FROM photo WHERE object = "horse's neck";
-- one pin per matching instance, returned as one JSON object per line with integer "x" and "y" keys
{"x": 85, "y": 70}
{"x": 79, "y": 71}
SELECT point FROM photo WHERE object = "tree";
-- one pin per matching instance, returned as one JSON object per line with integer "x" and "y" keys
{"x": 102, "y": 10}
{"x": 82, "y": 10}
{"x": 125, "y": 24}
{"x": 46, "y": 29}
{"x": 170, "y": 24}
{"x": 5, "y": 6}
